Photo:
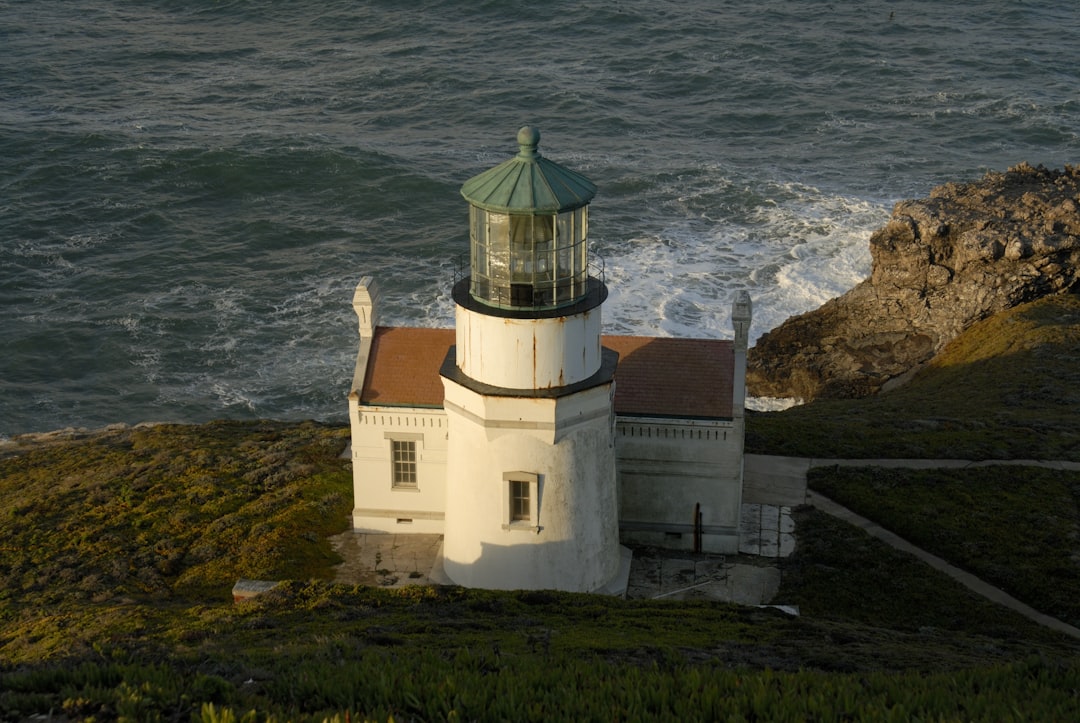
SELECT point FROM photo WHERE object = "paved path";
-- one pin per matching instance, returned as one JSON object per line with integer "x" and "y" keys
{"x": 769, "y": 480}
{"x": 941, "y": 463}
{"x": 782, "y": 480}
{"x": 773, "y": 480}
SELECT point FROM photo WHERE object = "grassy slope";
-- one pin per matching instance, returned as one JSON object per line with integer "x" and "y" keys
{"x": 118, "y": 552}
{"x": 1006, "y": 389}
{"x": 159, "y": 514}
{"x": 1015, "y": 527}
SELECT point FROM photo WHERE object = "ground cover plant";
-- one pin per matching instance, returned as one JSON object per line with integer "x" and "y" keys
{"x": 312, "y": 651}
{"x": 160, "y": 514}
{"x": 1015, "y": 527}
{"x": 422, "y": 686}
{"x": 1007, "y": 388}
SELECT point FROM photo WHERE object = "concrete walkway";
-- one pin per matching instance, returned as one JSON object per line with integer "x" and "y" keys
{"x": 942, "y": 463}
{"x": 782, "y": 480}
{"x": 769, "y": 480}
{"x": 774, "y": 480}
{"x": 680, "y": 575}
{"x": 390, "y": 560}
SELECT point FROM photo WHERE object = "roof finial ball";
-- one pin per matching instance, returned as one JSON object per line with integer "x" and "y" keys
{"x": 528, "y": 139}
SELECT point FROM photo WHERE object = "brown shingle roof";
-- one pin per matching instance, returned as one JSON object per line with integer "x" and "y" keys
{"x": 670, "y": 377}
{"x": 657, "y": 376}
{"x": 403, "y": 367}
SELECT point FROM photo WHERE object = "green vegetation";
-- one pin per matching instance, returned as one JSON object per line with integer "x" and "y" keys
{"x": 1015, "y": 527}
{"x": 311, "y": 651}
{"x": 159, "y": 514}
{"x": 118, "y": 551}
{"x": 172, "y": 509}
{"x": 841, "y": 573}
{"x": 1008, "y": 388}
{"x": 378, "y": 685}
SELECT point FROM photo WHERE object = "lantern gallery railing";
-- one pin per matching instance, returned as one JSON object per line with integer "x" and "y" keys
{"x": 538, "y": 291}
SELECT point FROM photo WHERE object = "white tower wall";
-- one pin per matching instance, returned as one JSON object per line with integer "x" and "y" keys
{"x": 528, "y": 353}
{"x": 564, "y": 447}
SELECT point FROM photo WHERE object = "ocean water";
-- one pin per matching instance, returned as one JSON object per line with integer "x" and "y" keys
{"x": 189, "y": 191}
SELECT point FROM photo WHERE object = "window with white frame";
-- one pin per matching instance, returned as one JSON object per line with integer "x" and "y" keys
{"x": 404, "y": 454}
{"x": 522, "y": 506}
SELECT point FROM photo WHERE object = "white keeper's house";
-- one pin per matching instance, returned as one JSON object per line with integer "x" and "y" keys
{"x": 531, "y": 441}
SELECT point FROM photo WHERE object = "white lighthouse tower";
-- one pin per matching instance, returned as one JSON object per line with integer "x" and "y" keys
{"x": 531, "y": 497}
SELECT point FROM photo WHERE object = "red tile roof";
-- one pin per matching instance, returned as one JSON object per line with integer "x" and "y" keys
{"x": 656, "y": 376}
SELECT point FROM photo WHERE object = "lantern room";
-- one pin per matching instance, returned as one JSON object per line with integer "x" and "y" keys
{"x": 528, "y": 223}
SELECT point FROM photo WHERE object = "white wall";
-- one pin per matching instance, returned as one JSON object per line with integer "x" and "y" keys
{"x": 667, "y": 468}
{"x": 378, "y": 507}
{"x": 664, "y": 468}
{"x": 567, "y": 443}
{"x": 528, "y": 353}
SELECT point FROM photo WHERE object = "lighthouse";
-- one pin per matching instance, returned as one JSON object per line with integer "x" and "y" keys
{"x": 531, "y": 498}
{"x": 524, "y": 442}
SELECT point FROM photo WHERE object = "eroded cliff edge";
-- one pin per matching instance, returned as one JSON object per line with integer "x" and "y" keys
{"x": 940, "y": 264}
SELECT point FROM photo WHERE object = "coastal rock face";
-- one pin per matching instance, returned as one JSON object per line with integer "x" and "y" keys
{"x": 939, "y": 265}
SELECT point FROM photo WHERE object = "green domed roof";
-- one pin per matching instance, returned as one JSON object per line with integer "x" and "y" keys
{"x": 528, "y": 183}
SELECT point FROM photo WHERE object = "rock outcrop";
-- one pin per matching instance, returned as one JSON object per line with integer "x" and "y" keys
{"x": 939, "y": 265}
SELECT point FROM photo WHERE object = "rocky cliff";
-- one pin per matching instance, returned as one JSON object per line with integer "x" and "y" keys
{"x": 939, "y": 265}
